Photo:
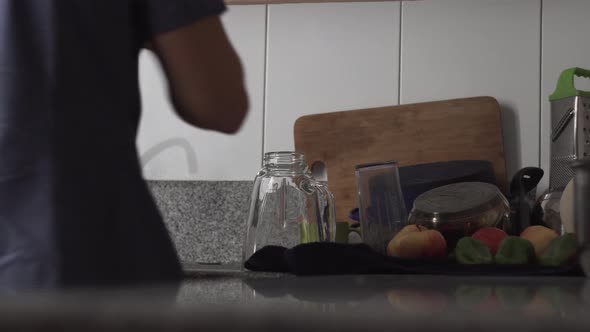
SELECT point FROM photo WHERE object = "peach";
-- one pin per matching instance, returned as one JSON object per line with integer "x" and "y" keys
{"x": 407, "y": 245}
{"x": 417, "y": 242}
{"x": 410, "y": 229}
{"x": 540, "y": 237}
{"x": 436, "y": 245}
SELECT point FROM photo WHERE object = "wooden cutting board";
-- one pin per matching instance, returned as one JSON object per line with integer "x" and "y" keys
{"x": 460, "y": 129}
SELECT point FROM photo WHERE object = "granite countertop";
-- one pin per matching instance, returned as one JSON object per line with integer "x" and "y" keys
{"x": 234, "y": 300}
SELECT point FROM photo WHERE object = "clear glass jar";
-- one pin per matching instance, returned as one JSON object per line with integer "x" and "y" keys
{"x": 288, "y": 207}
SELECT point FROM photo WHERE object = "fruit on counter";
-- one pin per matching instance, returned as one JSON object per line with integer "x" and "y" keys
{"x": 407, "y": 246}
{"x": 560, "y": 251}
{"x": 515, "y": 250}
{"x": 491, "y": 237}
{"x": 540, "y": 237}
{"x": 417, "y": 242}
{"x": 471, "y": 251}
{"x": 436, "y": 247}
{"x": 410, "y": 229}
{"x": 411, "y": 248}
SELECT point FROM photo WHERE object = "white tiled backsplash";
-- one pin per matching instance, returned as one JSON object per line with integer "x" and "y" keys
{"x": 312, "y": 58}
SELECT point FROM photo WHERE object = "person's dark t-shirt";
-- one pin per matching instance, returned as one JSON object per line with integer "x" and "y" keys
{"x": 74, "y": 209}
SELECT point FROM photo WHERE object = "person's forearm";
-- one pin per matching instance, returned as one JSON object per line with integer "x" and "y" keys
{"x": 205, "y": 76}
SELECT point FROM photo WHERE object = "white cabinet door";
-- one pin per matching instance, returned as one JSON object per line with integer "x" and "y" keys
{"x": 462, "y": 48}
{"x": 328, "y": 57}
{"x": 566, "y": 43}
{"x": 172, "y": 150}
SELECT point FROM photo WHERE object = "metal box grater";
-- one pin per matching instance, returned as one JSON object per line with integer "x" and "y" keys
{"x": 570, "y": 128}
{"x": 570, "y": 141}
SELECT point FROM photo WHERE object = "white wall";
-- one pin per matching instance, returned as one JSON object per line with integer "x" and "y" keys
{"x": 463, "y": 48}
{"x": 312, "y": 58}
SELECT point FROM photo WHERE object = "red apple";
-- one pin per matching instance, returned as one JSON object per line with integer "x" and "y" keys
{"x": 491, "y": 237}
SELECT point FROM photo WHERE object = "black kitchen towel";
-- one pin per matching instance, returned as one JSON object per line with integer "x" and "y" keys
{"x": 268, "y": 259}
{"x": 335, "y": 258}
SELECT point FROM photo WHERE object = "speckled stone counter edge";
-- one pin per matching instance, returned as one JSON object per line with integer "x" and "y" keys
{"x": 206, "y": 219}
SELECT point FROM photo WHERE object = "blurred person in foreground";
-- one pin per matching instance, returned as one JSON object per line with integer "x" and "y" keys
{"x": 74, "y": 208}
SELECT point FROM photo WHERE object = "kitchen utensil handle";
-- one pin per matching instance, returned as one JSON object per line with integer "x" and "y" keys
{"x": 581, "y": 72}
{"x": 566, "y": 86}
{"x": 525, "y": 180}
{"x": 329, "y": 215}
{"x": 254, "y": 215}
